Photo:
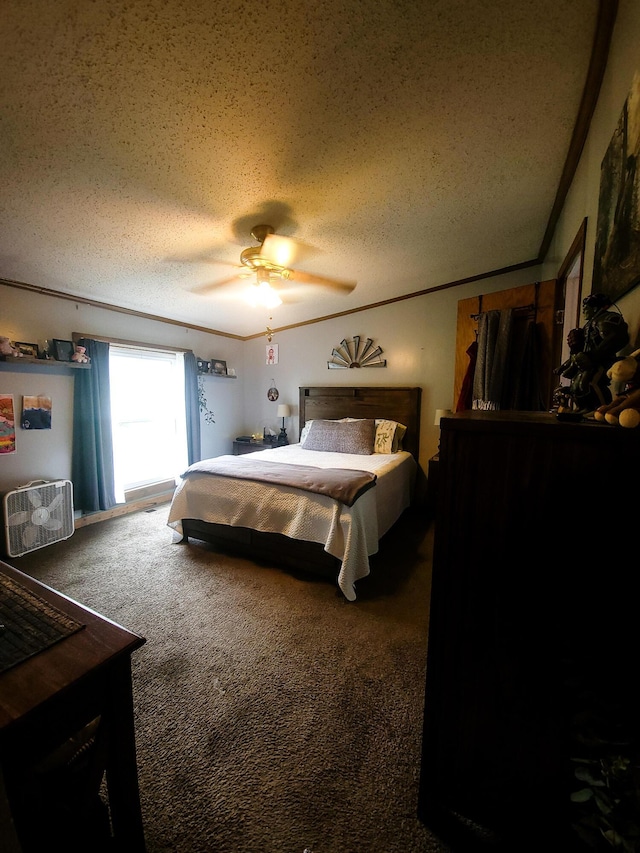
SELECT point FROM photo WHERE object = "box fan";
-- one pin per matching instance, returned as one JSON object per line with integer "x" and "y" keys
{"x": 37, "y": 514}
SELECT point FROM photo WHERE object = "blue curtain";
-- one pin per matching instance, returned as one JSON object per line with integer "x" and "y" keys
{"x": 192, "y": 403}
{"x": 92, "y": 459}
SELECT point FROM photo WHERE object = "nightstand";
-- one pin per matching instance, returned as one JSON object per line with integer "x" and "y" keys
{"x": 242, "y": 447}
{"x": 432, "y": 485}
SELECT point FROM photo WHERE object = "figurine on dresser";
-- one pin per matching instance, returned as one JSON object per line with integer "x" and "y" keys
{"x": 593, "y": 349}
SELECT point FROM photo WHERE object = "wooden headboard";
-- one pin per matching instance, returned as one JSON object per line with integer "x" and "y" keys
{"x": 396, "y": 404}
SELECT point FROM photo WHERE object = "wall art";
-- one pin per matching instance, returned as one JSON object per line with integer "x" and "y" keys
{"x": 7, "y": 425}
{"x": 272, "y": 353}
{"x": 356, "y": 353}
{"x": 616, "y": 266}
{"x": 36, "y": 412}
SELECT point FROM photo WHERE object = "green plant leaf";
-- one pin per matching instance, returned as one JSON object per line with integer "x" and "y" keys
{"x": 584, "y": 774}
{"x": 582, "y": 796}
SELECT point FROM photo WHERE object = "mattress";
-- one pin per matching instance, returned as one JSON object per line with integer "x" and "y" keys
{"x": 351, "y": 534}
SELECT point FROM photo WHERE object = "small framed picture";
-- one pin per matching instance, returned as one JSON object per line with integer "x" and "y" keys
{"x": 218, "y": 367}
{"x": 63, "y": 350}
{"x": 27, "y": 349}
{"x": 272, "y": 354}
{"x": 36, "y": 413}
{"x": 204, "y": 366}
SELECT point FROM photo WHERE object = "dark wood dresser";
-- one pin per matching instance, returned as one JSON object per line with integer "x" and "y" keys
{"x": 533, "y": 623}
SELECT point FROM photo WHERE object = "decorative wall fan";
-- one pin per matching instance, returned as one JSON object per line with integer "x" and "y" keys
{"x": 270, "y": 266}
{"x": 356, "y": 353}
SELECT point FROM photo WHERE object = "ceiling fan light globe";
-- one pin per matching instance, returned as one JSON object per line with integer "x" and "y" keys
{"x": 262, "y": 294}
{"x": 267, "y": 296}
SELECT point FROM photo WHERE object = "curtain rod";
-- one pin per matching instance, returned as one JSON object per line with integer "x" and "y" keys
{"x": 75, "y": 336}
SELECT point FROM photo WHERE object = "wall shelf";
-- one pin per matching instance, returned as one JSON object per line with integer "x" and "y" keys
{"x": 216, "y": 376}
{"x": 28, "y": 364}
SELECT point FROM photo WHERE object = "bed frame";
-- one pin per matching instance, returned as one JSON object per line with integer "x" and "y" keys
{"x": 393, "y": 403}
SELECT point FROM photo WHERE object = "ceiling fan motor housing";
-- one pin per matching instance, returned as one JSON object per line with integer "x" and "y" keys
{"x": 252, "y": 259}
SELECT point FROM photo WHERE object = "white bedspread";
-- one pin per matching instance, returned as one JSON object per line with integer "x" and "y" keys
{"x": 349, "y": 533}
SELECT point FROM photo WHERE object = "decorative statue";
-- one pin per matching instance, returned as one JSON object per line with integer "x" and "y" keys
{"x": 593, "y": 349}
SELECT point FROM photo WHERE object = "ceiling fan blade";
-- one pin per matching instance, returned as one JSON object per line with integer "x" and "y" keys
{"x": 309, "y": 278}
{"x": 214, "y": 285}
{"x": 285, "y": 251}
{"x": 216, "y": 262}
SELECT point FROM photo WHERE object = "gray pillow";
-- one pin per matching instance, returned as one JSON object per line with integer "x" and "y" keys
{"x": 340, "y": 437}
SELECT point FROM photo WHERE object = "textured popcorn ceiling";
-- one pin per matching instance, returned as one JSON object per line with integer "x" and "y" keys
{"x": 412, "y": 143}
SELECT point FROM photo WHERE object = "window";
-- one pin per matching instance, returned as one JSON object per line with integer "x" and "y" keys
{"x": 148, "y": 418}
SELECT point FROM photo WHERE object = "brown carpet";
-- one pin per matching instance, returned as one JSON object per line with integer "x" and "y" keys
{"x": 272, "y": 716}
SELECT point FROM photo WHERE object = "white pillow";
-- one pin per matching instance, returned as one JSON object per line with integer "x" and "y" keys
{"x": 389, "y": 435}
{"x": 385, "y": 433}
{"x": 305, "y": 431}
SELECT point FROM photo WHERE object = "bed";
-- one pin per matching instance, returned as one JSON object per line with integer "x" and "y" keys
{"x": 305, "y": 506}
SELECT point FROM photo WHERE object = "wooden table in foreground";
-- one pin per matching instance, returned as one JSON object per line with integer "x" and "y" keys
{"x": 51, "y": 696}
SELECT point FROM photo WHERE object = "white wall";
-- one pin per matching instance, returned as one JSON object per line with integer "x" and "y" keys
{"x": 417, "y": 335}
{"x": 582, "y": 199}
{"x": 33, "y": 317}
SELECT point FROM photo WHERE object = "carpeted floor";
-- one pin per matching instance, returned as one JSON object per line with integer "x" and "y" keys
{"x": 272, "y": 716}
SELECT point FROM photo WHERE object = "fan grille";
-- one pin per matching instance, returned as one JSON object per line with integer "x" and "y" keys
{"x": 36, "y": 516}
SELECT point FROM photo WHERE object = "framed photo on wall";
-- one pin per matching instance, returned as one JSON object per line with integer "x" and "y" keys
{"x": 36, "y": 412}
{"x": 218, "y": 367}
{"x": 616, "y": 267}
{"x": 7, "y": 425}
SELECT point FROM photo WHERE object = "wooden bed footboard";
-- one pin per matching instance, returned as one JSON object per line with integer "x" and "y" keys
{"x": 267, "y": 547}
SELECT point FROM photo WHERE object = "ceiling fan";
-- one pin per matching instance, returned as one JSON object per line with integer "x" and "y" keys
{"x": 271, "y": 266}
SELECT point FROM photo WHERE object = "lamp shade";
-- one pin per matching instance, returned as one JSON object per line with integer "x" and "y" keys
{"x": 441, "y": 413}
{"x": 283, "y": 411}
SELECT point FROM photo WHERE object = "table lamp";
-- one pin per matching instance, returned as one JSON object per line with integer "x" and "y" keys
{"x": 283, "y": 412}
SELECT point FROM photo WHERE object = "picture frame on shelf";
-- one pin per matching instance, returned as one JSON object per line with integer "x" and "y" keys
{"x": 218, "y": 367}
{"x": 27, "y": 349}
{"x": 63, "y": 350}
{"x": 204, "y": 366}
